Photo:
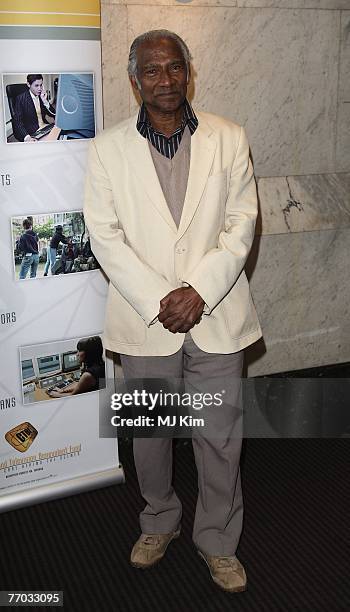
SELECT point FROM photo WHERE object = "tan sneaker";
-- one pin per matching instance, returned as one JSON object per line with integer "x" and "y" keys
{"x": 150, "y": 548}
{"x": 227, "y": 572}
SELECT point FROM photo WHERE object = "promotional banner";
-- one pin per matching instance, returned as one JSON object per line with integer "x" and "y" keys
{"x": 53, "y": 371}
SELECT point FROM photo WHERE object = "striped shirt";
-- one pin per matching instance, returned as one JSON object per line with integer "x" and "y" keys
{"x": 166, "y": 146}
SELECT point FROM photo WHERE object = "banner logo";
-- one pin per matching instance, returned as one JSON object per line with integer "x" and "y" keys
{"x": 22, "y": 436}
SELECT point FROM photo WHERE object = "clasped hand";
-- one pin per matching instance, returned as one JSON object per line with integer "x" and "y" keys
{"x": 181, "y": 309}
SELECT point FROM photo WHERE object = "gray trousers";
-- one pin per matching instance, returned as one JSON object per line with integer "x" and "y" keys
{"x": 217, "y": 447}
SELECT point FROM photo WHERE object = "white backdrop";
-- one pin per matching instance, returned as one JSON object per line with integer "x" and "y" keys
{"x": 48, "y": 177}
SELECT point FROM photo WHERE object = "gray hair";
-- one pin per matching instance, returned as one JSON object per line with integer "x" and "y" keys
{"x": 154, "y": 35}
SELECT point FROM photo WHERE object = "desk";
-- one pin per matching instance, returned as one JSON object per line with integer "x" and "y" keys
{"x": 51, "y": 136}
{"x": 39, "y": 394}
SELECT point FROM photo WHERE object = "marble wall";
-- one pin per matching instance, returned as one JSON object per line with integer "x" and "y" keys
{"x": 281, "y": 68}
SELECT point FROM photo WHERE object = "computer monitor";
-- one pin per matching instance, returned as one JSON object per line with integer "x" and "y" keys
{"x": 70, "y": 361}
{"x": 75, "y": 109}
{"x": 28, "y": 373}
{"x": 50, "y": 364}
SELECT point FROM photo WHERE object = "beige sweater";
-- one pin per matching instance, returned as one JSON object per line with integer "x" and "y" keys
{"x": 173, "y": 174}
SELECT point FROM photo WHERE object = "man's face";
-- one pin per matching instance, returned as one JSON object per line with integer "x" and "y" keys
{"x": 36, "y": 87}
{"x": 162, "y": 74}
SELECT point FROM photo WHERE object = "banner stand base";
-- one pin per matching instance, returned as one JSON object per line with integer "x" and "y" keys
{"x": 65, "y": 488}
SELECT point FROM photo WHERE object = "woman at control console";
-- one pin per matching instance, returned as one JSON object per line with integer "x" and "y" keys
{"x": 90, "y": 355}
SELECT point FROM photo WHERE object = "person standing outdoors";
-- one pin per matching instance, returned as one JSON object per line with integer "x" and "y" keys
{"x": 171, "y": 206}
{"x": 52, "y": 248}
{"x": 28, "y": 244}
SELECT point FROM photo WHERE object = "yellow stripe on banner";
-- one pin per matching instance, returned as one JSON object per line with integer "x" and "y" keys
{"x": 51, "y": 6}
{"x": 35, "y": 19}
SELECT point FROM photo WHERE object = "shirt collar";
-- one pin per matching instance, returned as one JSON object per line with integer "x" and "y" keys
{"x": 34, "y": 98}
{"x": 189, "y": 118}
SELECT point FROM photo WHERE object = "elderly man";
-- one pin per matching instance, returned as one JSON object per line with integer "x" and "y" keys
{"x": 171, "y": 207}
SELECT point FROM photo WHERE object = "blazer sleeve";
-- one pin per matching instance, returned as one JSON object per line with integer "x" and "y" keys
{"x": 20, "y": 109}
{"x": 220, "y": 267}
{"x": 135, "y": 280}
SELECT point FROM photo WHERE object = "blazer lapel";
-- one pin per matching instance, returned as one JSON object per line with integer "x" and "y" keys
{"x": 141, "y": 163}
{"x": 202, "y": 155}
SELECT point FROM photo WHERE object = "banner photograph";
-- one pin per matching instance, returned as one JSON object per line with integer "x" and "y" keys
{"x": 61, "y": 369}
{"x": 51, "y": 244}
{"x": 46, "y": 107}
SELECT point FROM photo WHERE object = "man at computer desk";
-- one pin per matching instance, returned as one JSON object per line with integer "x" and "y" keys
{"x": 31, "y": 109}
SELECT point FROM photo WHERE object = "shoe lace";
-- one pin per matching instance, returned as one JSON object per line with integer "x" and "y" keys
{"x": 224, "y": 562}
{"x": 150, "y": 540}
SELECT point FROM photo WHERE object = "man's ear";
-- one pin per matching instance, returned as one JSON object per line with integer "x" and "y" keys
{"x": 188, "y": 74}
{"x": 134, "y": 84}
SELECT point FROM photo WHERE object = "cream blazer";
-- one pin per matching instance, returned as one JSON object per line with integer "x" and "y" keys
{"x": 145, "y": 255}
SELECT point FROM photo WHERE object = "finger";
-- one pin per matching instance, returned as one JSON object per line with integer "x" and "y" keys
{"x": 164, "y": 302}
{"x": 166, "y": 313}
{"x": 178, "y": 328}
{"x": 166, "y": 299}
{"x": 163, "y": 314}
{"x": 172, "y": 323}
{"x": 163, "y": 306}
{"x": 182, "y": 329}
{"x": 180, "y": 325}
